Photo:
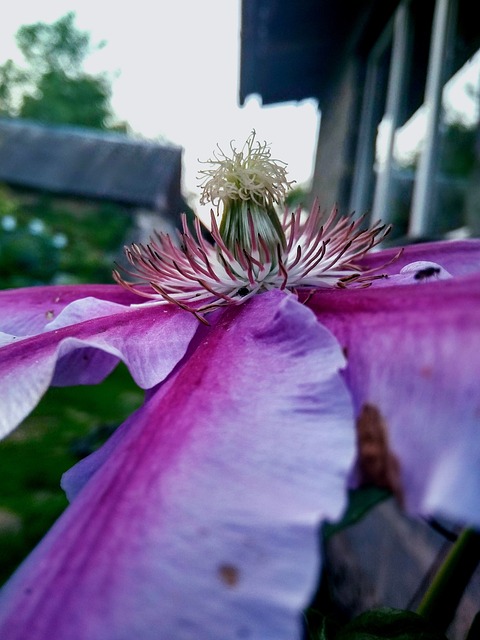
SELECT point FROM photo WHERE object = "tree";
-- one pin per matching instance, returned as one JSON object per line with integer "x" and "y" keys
{"x": 11, "y": 77}
{"x": 59, "y": 47}
{"x": 54, "y": 88}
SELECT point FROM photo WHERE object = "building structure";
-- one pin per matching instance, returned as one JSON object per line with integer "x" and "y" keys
{"x": 88, "y": 166}
{"x": 398, "y": 88}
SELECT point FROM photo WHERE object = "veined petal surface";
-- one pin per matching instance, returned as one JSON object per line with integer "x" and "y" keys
{"x": 149, "y": 340}
{"x": 458, "y": 257}
{"x": 27, "y": 311}
{"x": 413, "y": 357}
{"x": 202, "y": 523}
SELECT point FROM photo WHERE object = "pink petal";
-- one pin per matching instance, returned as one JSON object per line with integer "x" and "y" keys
{"x": 458, "y": 257}
{"x": 149, "y": 340}
{"x": 26, "y": 311}
{"x": 203, "y": 522}
{"x": 414, "y": 357}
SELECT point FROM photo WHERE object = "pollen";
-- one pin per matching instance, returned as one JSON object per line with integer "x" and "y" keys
{"x": 249, "y": 175}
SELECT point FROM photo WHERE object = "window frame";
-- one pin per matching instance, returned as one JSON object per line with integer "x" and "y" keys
{"x": 372, "y": 194}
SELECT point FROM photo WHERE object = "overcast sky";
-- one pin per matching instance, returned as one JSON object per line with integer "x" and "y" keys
{"x": 176, "y": 67}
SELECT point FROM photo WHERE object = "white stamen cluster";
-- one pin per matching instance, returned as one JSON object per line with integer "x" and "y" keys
{"x": 248, "y": 175}
{"x": 321, "y": 252}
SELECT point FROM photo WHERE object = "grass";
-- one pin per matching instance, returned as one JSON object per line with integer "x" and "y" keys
{"x": 68, "y": 424}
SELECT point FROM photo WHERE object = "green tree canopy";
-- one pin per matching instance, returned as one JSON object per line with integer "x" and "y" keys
{"x": 54, "y": 88}
{"x": 54, "y": 47}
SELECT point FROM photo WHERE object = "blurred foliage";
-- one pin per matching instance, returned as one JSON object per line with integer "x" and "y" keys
{"x": 456, "y": 161}
{"x": 53, "y": 438}
{"x": 296, "y": 197}
{"x": 59, "y": 46}
{"x": 53, "y": 88}
{"x": 457, "y": 153}
{"x": 457, "y": 150}
{"x": 49, "y": 242}
{"x": 60, "y": 99}
{"x": 384, "y": 624}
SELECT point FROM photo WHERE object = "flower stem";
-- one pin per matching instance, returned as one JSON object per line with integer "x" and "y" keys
{"x": 444, "y": 594}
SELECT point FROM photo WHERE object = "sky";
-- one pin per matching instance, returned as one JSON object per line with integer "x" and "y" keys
{"x": 175, "y": 73}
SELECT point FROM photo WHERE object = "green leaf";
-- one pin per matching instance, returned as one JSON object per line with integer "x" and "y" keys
{"x": 360, "y": 501}
{"x": 389, "y": 624}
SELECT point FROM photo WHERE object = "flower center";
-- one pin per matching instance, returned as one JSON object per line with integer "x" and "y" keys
{"x": 244, "y": 188}
{"x": 253, "y": 249}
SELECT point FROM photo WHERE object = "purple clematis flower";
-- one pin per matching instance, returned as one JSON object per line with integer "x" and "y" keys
{"x": 199, "y": 518}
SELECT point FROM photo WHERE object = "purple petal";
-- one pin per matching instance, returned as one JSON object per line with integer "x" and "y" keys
{"x": 26, "y": 311}
{"x": 414, "y": 363}
{"x": 458, "y": 257}
{"x": 418, "y": 272}
{"x": 202, "y": 524}
{"x": 150, "y": 340}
